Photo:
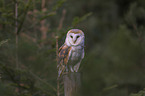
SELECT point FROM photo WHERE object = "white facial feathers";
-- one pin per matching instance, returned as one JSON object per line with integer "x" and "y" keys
{"x": 74, "y": 37}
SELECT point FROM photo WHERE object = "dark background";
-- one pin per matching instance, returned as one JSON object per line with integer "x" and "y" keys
{"x": 114, "y": 63}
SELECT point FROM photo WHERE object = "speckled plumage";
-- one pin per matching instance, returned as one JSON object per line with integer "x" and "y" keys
{"x": 71, "y": 52}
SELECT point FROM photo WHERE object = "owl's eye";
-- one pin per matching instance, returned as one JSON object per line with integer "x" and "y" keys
{"x": 71, "y": 36}
{"x": 78, "y": 36}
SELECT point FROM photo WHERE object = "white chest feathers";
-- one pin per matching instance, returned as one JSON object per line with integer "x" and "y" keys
{"x": 76, "y": 53}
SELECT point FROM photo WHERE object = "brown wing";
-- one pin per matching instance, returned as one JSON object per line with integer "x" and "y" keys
{"x": 63, "y": 55}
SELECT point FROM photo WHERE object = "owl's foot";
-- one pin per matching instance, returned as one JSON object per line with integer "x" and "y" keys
{"x": 65, "y": 73}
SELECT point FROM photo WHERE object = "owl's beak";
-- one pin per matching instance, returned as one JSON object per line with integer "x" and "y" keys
{"x": 75, "y": 40}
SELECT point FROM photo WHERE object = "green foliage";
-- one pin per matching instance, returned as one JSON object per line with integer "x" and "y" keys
{"x": 77, "y": 20}
{"x": 114, "y": 65}
{"x": 140, "y": 93}
{"x": 23, "y": 15}
{"x": 7, "y": 15}
{"x": 58, "y": 4}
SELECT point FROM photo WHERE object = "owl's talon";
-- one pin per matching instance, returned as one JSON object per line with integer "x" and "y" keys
{"x": 65, "y": 73}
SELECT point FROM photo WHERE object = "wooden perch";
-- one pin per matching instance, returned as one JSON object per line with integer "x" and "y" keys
{"x": 72, "y": 84}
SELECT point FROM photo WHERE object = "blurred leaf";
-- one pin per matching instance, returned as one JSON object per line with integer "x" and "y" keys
{"x": 48, "y": 15}
{"x": 140, "y": 93}
{"x": 77, "y": 20}
{"x": 110, "y": 87}
{"x": 3, "y": 42}
{"x": 58, "y": 4}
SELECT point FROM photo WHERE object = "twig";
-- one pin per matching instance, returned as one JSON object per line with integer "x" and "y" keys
{"x": 43, "y": 28}
{"x": 58, "y": 90}
{"x": 16, "y": 30}
{"x": 56, "y": 49}
{"x": 43, "y": 4}
{"x": 137, "y": 32}
{"x": 62, "y": 19}
{"x": 28, "y": 37}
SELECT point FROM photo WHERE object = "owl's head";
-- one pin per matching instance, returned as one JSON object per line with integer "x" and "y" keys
{"x": 75, "y": 37}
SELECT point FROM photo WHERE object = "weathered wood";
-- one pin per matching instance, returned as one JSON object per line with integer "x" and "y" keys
{"x": 72, "y": 84}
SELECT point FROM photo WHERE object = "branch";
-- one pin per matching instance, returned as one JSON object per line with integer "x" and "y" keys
{"x": 61, "y": 20}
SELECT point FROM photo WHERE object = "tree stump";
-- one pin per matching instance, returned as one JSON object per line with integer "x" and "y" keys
{"x": 72, "y": 84}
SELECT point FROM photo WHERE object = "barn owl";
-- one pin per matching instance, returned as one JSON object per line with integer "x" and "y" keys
{"x": 71, "y": 52}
